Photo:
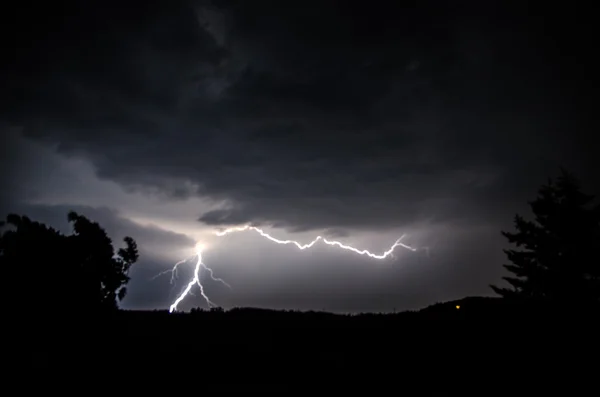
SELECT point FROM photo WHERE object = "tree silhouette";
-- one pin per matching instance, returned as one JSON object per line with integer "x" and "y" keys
{"x": 50, "y": 270}
{"x": 559, "y": 260}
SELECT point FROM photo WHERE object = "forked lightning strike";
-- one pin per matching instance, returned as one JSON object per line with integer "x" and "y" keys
{"x": 195, "y": 280}
{"x": 201, "y": 266}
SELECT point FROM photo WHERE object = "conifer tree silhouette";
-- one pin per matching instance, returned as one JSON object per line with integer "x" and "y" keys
{"x": 557, "y": 258}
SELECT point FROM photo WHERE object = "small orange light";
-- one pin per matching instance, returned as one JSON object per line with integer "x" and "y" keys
{"x": 457, "y": 307}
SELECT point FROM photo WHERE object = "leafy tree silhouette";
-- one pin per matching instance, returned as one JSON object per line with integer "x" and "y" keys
{"x": 559, "y": 259}
{"x": 77, "y": 272}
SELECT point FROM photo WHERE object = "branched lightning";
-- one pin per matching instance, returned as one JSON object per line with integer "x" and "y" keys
{"x": 173, "y": 270}
{"x": 200, "y": 266}
{"x": 195, "y": 279}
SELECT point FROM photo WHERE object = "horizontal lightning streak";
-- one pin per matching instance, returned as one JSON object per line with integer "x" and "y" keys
{"x": 387, "y": 253}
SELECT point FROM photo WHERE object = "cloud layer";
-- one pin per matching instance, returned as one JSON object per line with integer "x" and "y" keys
{"x": 371, "y": 118}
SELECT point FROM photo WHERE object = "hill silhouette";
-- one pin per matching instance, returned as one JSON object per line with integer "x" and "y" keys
{"x": 486, "y": 338}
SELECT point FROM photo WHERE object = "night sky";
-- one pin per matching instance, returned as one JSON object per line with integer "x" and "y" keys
{"x": 360, "y": 121}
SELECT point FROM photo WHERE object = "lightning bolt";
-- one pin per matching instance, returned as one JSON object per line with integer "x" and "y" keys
{"x": 195, "y": 279}
{"x": 173, "y": 270}
{"x": 201, "y": 266}
{"x": 387, "y": 253}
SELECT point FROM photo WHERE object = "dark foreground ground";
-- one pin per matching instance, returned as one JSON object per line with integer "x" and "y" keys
{"x": 485, "y": 347}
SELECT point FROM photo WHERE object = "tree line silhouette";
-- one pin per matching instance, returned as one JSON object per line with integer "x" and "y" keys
{"x": 64, "y": 285}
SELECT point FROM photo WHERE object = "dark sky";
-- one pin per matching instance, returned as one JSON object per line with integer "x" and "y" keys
{"x": 358, "y": 120}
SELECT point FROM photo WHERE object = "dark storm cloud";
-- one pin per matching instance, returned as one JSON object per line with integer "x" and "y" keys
{"x": 303, "y": 114}
{"x": 115, "y": 225}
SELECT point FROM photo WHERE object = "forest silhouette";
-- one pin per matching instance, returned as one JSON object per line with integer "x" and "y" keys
{"x": 67, "y": 316}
